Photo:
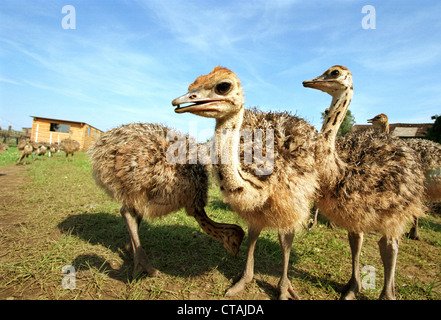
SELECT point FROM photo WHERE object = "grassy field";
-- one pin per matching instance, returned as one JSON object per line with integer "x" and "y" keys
{"x": 53, "y": 215}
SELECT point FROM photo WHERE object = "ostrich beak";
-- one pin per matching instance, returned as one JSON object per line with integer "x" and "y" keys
{"x": 317, "y": 83}
{"x": 194, "y": 103}
{"x": 309, "y": 83}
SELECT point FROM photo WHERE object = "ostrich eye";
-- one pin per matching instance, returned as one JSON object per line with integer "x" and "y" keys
{"x": 223, "y": 88}
{"x": 335, "y": 73}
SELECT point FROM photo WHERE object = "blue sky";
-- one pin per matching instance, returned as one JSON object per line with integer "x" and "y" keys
{"x": 127, "y": 60}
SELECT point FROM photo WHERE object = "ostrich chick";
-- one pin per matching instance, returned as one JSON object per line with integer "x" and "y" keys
{"x": 26, "y": 148}
{"x": 69, "y": 146}
{"x": 278, "y": 198}
{"x": 429, "y": 153}
{"x": 130, "y": 163}
{"x": 40, "y": 150}
{"x": 3, "y": 147}
{"x": 368, "y": 183}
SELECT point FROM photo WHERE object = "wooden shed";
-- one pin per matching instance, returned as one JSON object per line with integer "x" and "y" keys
{"x": 54, "y": 130}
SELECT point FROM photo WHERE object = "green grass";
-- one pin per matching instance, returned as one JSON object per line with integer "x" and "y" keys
{"x": 9, "y": 157}
{"x": 65, "y": 219}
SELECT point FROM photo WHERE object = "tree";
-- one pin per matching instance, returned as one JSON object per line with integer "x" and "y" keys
{"x": 346, "y": 125}
{"x": 434, "y": 133}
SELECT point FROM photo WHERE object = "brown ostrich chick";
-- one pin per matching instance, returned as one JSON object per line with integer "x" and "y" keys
{"x": 273, "y": 191}
{"x": 69, "y": 146}
{"x": 368, "y": 182}
{"x": 429, "y": 153}
{"x": 131, "y": 164}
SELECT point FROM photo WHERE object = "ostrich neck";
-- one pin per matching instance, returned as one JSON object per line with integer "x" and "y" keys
{"x": 329, "y": 161}
{"x": 337, "y": 112}
{"x": 228, "y": 138}
{"x": 382, "y": 127}
{"x": 232, "y": 178}
{"x": 386, "y": 128}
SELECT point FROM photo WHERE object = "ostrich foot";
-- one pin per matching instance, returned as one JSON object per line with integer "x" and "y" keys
{"x": 286, "y": 291}
{"x": 238, "y": 287}
{"x": 350, "y": 290}
{"x": 349, "y": 295}
{"x": 390, "y": 295}
{"x": 233, "y": 239}
{"x": 248, "y": 274}
{"x": 141, "y": 264}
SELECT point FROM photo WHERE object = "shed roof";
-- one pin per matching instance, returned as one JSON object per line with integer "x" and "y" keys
{"x": 80, "y": 122}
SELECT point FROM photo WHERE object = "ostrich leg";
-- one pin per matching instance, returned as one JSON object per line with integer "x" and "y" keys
{"x": 354, "y": 285}
{"x": 285, "y": 286}
{"x": 139, "y": 256}
{"x": 388, "y": 252}
{"x": 253, "y": 234}
{"x": 20, "y": 158}
{"x": 413, "y": 233}
{"x": 230, "y": 235}
{"x": 314, "y": 223}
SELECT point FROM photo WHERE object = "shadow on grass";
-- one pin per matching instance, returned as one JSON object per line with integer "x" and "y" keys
{"x": 175, "y": 250}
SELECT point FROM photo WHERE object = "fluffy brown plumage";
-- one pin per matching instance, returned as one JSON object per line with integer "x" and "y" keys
{"x": 429, "y": 154}
{"x": 3, "y": 147}
{"x": 69, "y": 146}
{"x": 379, "y": 188}
{"x": 40, "y": 149}
{"x": 26, "y": 148}
{"x": 22, "y": 143}
{"x": 291, "y": 184}
{"x": 130, "y": 163}
{"x": 428, "y": 151}
{"x": 53, "y": 148}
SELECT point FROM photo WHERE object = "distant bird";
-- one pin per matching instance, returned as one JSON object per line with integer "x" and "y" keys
{"x": 3, "y": 147}
{"x": 40, "y": 149}
{"x": 69, "y": 146}
{"x": 53, "y": 149}
{"x": 26, "y": 148}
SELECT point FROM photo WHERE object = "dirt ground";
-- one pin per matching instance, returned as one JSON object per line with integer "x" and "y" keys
{"x": 11, "y": 179}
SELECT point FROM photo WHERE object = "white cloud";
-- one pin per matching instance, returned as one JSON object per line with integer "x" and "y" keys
{"x": 10, "y": 81}
{"x": 209, "y": 28}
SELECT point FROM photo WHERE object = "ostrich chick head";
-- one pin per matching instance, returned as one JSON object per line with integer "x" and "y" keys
{"x": 215, "y": 95}
{"x": 380, "y": 119}
{"x": 333, "y": 81}
{"x": 380, "y": 123}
